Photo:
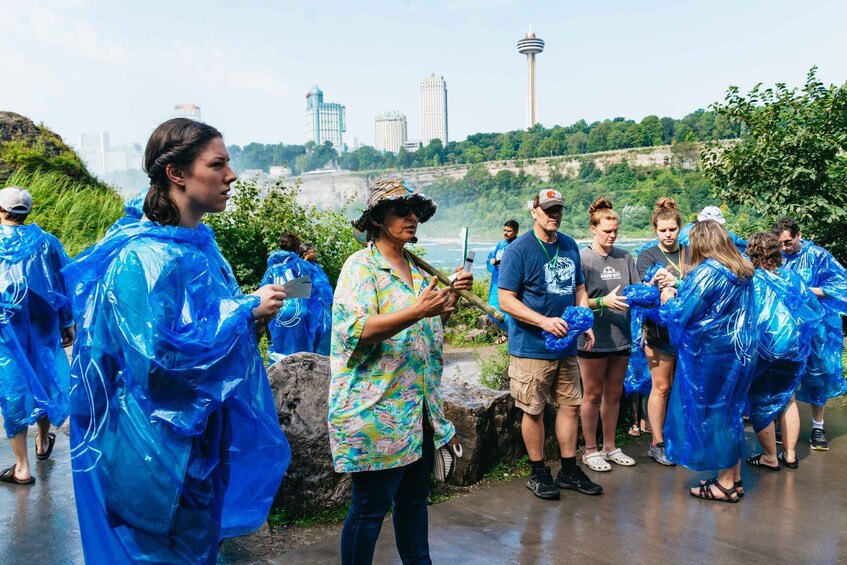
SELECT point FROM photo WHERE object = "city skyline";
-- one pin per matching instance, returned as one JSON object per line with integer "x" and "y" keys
{"x": 83, "y": 62}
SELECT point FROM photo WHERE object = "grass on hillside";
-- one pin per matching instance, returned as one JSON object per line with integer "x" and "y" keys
{"x": 71, "y": 210}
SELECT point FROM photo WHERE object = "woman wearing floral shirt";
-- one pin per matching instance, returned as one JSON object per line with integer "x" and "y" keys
{"x": 385, "y": 410}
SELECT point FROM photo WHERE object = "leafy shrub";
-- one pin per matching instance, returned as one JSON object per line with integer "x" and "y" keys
{"x": 74, "y": 211}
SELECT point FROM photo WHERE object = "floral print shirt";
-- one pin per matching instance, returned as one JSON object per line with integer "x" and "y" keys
{"x": 378, "y": 393}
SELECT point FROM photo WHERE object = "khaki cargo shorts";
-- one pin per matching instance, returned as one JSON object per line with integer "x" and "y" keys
{"x": 536, "y": 382}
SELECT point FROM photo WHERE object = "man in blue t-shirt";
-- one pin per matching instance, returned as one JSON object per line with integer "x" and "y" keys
{"x": 541, "y": 275}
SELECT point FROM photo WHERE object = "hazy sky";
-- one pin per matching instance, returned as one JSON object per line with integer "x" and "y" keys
{"x": 117, "y": 66}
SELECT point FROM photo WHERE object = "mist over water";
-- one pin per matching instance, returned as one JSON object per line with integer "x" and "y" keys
{"x": 446, "y": 253}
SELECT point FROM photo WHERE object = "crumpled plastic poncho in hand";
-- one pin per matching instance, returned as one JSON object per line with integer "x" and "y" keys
{"x": 302, "y": 324}
{"x": 175, "y": 441}
{"x": 641, "y": 306}
{"x": 823, "y": 376}
{"x": 579, "y": 320}
{"x": 712, "y": 323}
{"x": 789, "y": 317}
{"x": 34, "y": 308}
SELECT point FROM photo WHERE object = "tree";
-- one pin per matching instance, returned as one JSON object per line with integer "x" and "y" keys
{"x": 251, "y": 225}
{"x": 790, "y": 160}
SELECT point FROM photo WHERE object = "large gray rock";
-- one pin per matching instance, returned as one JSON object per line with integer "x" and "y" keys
{"x": 487, "y": 424}
{"x": 300, "y": 384}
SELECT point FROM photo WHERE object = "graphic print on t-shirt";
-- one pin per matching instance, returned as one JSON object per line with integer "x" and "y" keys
{"x": 610, "y": 273}
{"x": 560, "y": 278}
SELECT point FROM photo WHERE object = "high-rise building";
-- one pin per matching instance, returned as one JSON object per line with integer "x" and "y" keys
{"x": 325, "y": 121}
{"x": 390, "y": 131}
{"x": 102, "y": 158}
{"x": 433, "y": 110}
{"x": 530, "y": 46}
{"x": 190, "y": 111}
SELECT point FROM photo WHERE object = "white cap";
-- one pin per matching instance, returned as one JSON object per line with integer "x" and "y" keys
{"x": 711, "y": 213}
{"x": 16, "y": 199}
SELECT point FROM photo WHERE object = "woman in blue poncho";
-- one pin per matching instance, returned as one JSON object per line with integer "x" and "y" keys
{"x": 788, "y": 318}
{"x": 175, "y": 442}
{"x": 322, "y": 290}
{"x": 301, "y": 322}
{"x": 711, "y": 320}
{"x": 35, "y": 323}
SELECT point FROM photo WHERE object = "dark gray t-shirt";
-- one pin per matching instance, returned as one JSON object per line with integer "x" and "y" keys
{"x": 602, "y": 274}
{"x": 653, "y": 255}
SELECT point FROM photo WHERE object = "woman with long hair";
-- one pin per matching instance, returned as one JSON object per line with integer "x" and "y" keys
{"x": 175, "y": 441}
{"x": 711, "y": 319}
{"x": 789, "y": 316}
{"x": 665, "y": 265}
{"x": 606, "y": 270}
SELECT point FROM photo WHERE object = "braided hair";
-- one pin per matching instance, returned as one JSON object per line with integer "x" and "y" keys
{"x": 176, "y": 142}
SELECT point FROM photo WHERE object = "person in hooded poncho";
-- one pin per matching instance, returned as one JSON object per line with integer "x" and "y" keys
{"x": 823, "y": 376}
{"x": 301, "y": 323}
{"x": 175, "y": 442}
{"x": 712, "y": 322}
{"x": 495, "y": 256}
{"x": 789, "y": 316}
{"x": 323, "y": 292}
{"x": 35, "y": 323}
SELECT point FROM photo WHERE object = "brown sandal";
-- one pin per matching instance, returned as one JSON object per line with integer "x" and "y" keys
{"x": 705, "y": 492}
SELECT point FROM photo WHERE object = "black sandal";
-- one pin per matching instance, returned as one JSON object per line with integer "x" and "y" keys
{"x": 705, "y": 492}
{"x": 792, "y": 465}
{"x": 739, "y": 485}
{"x": 51, "y": 441}
{"x": 756, "y": 461}
{"x": 8, "y": 476}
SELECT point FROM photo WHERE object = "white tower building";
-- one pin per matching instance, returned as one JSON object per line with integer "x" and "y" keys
{"x": 390, "y": 131}
{"x": 433, "y": 110}
{"x": 530, "y": 46}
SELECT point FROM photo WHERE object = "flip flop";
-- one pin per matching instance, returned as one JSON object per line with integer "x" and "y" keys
{"x": 51, "y": 441}
{"x": 8, "y": 476}
{"x": 756, "y": 461}
{"x": 793, "y": 465}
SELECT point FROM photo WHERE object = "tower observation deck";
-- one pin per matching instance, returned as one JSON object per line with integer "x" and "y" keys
{"x": 530, "y": 46}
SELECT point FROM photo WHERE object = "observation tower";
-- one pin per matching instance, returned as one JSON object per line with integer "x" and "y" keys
{"x": 530, "y": 46}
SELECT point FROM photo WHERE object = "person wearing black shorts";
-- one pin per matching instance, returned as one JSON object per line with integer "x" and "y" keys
{"x": 661, "y": 355}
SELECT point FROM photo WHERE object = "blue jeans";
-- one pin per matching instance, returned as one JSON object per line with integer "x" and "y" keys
{"x": 403, "y": 490}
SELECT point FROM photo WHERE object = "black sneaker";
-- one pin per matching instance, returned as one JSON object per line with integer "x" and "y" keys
{"x": 778, "y": 435}
{"x": 541, "y": 484}
{"x": 578, "y": 481}
{"x": 818, "y": 440}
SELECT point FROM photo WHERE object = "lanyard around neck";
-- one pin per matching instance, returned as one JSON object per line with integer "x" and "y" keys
{"x": 681, "y": 264}
{"x": 550, "y": 261}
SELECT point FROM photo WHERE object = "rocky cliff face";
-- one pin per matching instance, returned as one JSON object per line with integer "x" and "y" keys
{"x": 27, "y": 147}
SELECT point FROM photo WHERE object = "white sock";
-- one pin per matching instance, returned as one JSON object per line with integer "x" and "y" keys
{"x": 817, "y": 425}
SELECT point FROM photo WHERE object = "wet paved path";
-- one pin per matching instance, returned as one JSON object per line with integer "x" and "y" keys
{"x": 644, "y": 516}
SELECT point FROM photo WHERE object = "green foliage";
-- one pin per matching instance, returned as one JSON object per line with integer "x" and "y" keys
{"x": 251, "y": 226}
{"x": 523, "y": 145}
{"x": 43, "y": 151}
{"x": 483, "y": 202}
{"x": 465, "y": 316}
{"x": 279, "y": 518}
{"x": 790, "y": 160}
{"x": 71, "y": 210}
{"x": 493, "y": 366}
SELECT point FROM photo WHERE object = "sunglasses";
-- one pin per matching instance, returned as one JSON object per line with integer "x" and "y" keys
{"x": 787, "y": 242}
{"x": 403, "y": 210}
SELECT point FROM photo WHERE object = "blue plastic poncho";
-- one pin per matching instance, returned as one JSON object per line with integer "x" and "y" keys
{"x": 823, "y": 376}
{"x": 34, "y": 308}
{"x": 643, "y": 304}
{"x": 683, "y": 239}
{"x": 175, "y": 441}
{"x": 712, "y": 323}
{"x": 493, "y": 292}
{"x": 579, "y": 320}
{"x": 789, "y": 316}
{"x": 303, "y": 323}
